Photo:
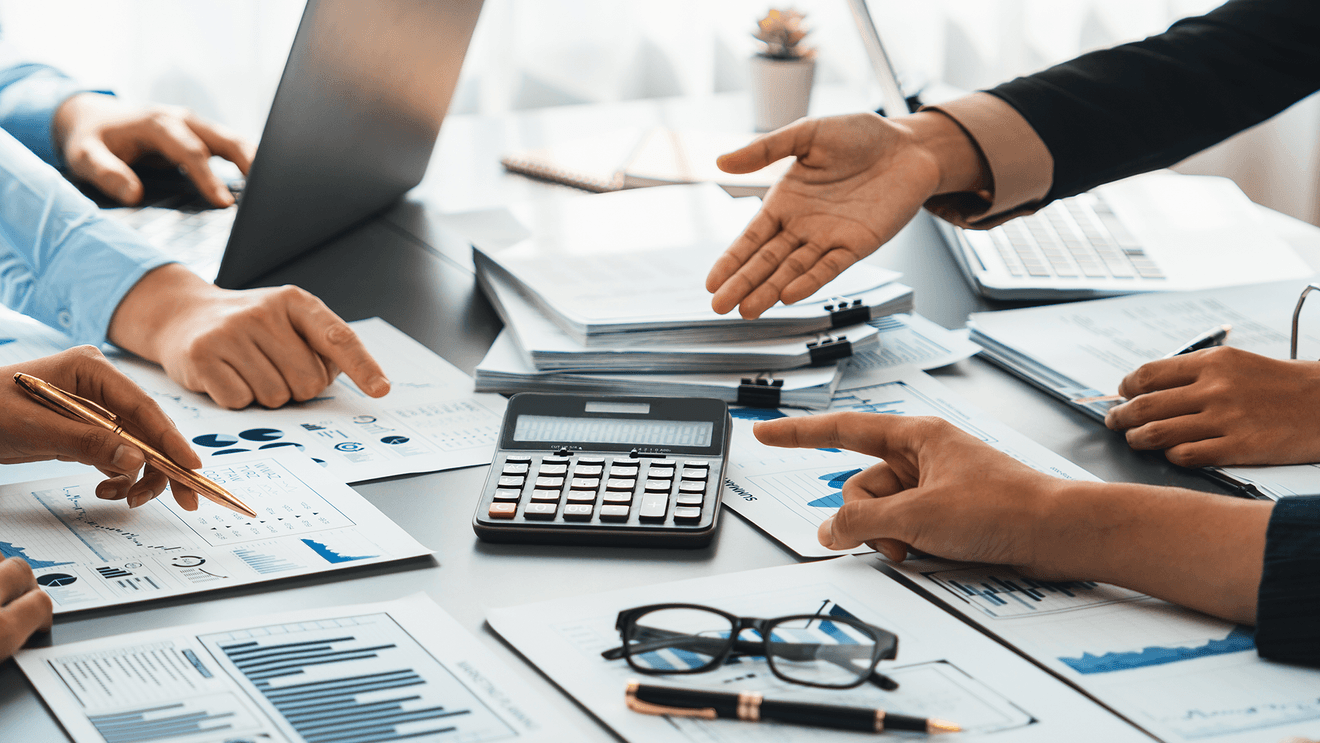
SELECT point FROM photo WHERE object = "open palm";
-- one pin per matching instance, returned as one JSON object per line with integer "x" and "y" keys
{"x": 857, "y": 181}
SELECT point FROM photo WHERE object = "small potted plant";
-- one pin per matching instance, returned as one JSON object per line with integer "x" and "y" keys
{"x": 782, "y": 71}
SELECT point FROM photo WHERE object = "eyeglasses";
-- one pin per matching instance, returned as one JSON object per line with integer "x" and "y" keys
{"x": 825, "y": 651}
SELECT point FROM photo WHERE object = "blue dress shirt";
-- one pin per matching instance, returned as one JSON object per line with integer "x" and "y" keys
{"x": 61, "y": 261}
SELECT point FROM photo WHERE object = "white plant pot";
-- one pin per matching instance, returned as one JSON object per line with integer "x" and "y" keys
{"x": 781, "y": 90}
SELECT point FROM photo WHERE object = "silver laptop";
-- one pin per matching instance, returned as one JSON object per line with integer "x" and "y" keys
{"x": 354, "y": 120}
{"x": 1155, "y": 232}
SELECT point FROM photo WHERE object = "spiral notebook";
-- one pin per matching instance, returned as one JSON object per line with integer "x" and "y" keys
{"x": 637, "y": 157}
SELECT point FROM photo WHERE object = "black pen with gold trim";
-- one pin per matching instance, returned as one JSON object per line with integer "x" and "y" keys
{"x": 82, "y": 409}
{"x": 751, "y": 706}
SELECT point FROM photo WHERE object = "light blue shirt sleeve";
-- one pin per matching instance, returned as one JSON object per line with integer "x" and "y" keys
{"x": 61, "y": 260}
{"x": 29, "y": 95}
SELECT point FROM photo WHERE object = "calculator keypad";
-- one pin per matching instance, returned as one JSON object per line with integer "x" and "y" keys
{"x": 616, "y": 490}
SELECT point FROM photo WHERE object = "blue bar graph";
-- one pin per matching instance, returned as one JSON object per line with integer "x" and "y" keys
{"x": 156, "y": 723}
{"x": 326, "y": 707}
{"x": 1001, "y": 593}
{"x": 265, "y": 564}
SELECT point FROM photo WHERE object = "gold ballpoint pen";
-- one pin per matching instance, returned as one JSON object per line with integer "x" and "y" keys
{"x": 85, "y": 410}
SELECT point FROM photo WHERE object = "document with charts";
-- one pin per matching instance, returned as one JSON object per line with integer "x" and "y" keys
{"x": 88, "y": 553}
{"x": 401, "y": 670}
{"x": 1179, "y": 674}
{"x": 787, "y": 493}
{"x": 431, "y": 420}
{"x": 944, "y": 668}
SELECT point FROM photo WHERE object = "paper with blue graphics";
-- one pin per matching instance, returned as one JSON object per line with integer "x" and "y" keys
{"x": 431, "y": 420}
{"x": 944, "y": 668}
{"x": 1181, "y": 675}
{"x": 401, "y": 670}
{"x": 89, "y": 553}
{"x": 787, "y": 493}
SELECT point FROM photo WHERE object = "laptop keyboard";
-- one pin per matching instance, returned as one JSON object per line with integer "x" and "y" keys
{"x": 183, "y": 227}
{"x": 1078, "y": 237}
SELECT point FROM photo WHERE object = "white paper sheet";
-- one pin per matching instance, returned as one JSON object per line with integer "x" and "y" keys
{"x": 1181, "y": 675}
{"x": 944, "y": 668}
{"x": 88, "y": 553}
{"x": 787, "y": 493}
{"x": 912, "y": 340}
{"x": 405, "y": 667}
{"x": 431, "y": 420}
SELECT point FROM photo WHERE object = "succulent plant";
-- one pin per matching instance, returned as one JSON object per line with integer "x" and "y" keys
{"x": 782, "y": 32}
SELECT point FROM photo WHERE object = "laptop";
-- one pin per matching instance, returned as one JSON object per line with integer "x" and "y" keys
{"x": 1159, "y": 231}
{"x": 351, "y": 129}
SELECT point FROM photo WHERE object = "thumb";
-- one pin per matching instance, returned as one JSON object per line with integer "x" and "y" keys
{"x": 94, "y": 162}
{"x": 794, "y": 139}
{"x": 859, "y": 522}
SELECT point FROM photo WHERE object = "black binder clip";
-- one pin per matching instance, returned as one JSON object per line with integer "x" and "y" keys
{"x": 829, "y": 349}
{"x": 761, "y": 392}
{"x": 843, "y": 314}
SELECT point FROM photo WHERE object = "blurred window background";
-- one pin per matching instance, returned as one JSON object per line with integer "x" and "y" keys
{"x": 223, "y": 57}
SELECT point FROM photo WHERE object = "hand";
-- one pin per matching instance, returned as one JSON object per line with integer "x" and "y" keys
{"x": 24, "y": 608}
{"x": 30, "y": 431}
{"x": 101, "y": 135}
{"x": 264, "y": 345}
{"x": 857, "y": 181}
{"x": 1223, "y": 406}
{"x": 939, "y": 490}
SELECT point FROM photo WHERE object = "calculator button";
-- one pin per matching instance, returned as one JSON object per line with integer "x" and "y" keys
{"x": 581, "y": 496}
{"x": 617, "y": 471}
{"x": 585, "y": 483}
{"x": 553, "y": 469}
{"x": 614, "y": 513}
{"x": 591, "y": 460}
{"x": 617, "y": 497}
{"x": 665, "y": 472}
{"x": 578, "y": 512}
{"x": 692, "y": 487}
{"x": 545, "y": 495}
{"x": 549, "y": 482}
{"x": 658, "y": 486}
{"x": 507, "y": 494}
{"x": 687, "y": 515}
{"x": 653, "y": 507}
{"x": 588, "y": 470}
{"x": 518, "y": 458}
{"x": 515, "y": 469}
{"x": 554, "y": 460}
{"x": 540, "y": 510}
{"x": 690, "y": 499}
{"x": 620, "y": 484}
{"x": 511, "y": 481}
{"x": 696, "y": 463}
{"x": 695, "y": 474}
{"x": 502, "y": 510}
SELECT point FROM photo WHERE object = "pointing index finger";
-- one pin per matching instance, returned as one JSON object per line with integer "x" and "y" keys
{"x": 868, "y": 433}
{"x": 331, "y": 337}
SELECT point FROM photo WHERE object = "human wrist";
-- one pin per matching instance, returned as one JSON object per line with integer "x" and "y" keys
{"x": 961, "y": 165}
{"x": 143, "y": 321}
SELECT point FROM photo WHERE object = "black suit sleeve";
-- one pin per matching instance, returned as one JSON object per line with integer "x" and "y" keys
{"x": 1288, "y": 605}
{"x": 1146, "y": 105}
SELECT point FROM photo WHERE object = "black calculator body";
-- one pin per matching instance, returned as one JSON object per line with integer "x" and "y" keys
{"x": 626, "y": 471}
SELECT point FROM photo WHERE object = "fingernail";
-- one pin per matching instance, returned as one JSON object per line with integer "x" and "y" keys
{"x": 380, "y": 385}
{"x": 828, "y": 526}
{"x": 127, "y": 458}
{"x": 136, "y": 500}
{"x": 104, "y": 491}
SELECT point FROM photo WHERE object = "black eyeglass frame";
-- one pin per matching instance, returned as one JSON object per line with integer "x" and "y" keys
{"x": 885, "y": 648}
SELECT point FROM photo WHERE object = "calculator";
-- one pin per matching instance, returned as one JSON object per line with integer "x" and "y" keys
{"x": 573, "y": 469}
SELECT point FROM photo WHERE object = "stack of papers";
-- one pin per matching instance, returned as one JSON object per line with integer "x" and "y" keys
{"x": 1084, "y": 349}
{"x": 629, "y": 268}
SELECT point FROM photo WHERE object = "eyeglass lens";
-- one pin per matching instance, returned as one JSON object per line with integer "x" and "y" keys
{"x": 809, "y": 650}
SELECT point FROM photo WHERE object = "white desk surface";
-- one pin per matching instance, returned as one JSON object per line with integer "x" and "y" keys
{"x": 403, "y": 270}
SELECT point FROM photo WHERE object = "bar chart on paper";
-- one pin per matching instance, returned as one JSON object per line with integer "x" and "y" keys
{"x": 386, "y": 672}
{"x": 1003, "y": 593}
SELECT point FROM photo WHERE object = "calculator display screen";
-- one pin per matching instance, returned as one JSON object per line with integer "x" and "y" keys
{"x": 633, "y": 432}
